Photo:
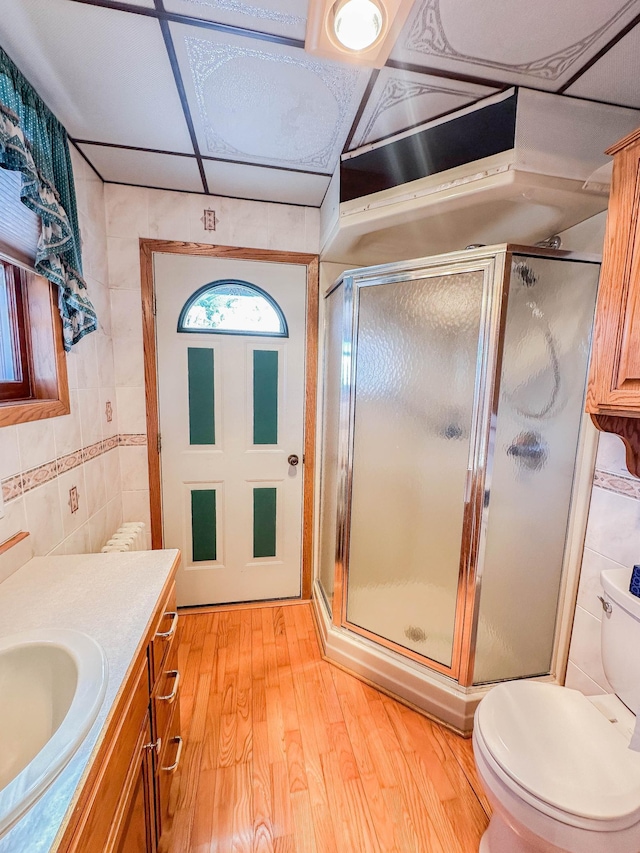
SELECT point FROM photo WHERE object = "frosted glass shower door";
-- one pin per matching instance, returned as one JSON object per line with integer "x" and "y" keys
{"x": 414, "y": 394}
{"x": 542, "y": 387}
{"x": 330, "y": 472}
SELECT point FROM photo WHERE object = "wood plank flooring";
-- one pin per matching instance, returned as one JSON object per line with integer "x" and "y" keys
{"x": 285, "y": 753}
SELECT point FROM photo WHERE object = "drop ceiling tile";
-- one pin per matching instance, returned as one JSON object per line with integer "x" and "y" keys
{"x": 278, "y": 17}
{"x": 615, "y": 77}
{"x": 539, "y": 44}
{"x": 261, "y": 184}
{"x": 145, "y": 168}
{"x": 403, "y": 99}
{"x": 266, "y": 103}
{"x": 104, "y": 73}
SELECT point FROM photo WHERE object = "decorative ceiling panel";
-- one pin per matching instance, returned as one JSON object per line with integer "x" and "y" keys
{"x": 539, "y": 44}
{"x": 615, "y": 77}
{"x": 261, "y": 184}
{"x": 403, "y": 99}
{"x": 105, "y": 74}
{"x": 265, "y": 103}
{"x": 278, "y": 17}
{"x": 145, "y": 168}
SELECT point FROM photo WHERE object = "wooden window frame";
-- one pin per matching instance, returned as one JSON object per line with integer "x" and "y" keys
{"x": 43, "y": 357}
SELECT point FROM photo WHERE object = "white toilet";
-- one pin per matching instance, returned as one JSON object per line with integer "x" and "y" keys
{"x": 556, "y": 765}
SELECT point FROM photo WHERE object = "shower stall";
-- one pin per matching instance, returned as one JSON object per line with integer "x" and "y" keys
{"x": 452, "y": 411}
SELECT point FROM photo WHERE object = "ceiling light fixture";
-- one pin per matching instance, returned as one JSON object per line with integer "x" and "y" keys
{"x": 362, "y": 32}
{"x": 357, "y": 24}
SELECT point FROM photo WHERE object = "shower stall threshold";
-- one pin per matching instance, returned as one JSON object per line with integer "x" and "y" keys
{"x": 435, "y": 695}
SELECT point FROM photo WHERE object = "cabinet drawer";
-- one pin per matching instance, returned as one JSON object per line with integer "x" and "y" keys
{"x": 164, "y": 634}
{"x": 94, "y": 830}
{"x": 165, "y": 694}
{"x": 169, "y": 763}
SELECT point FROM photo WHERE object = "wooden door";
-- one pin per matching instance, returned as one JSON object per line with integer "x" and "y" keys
{"x": 231, "y": 382}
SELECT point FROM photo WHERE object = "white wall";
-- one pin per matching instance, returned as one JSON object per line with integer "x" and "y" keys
{"x": 132, "y": 213}
{"x": 613, "y": 528}
{"x": 41, "y": 461}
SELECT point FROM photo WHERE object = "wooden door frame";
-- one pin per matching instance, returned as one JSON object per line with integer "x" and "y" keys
{"x": 173, "y": 247}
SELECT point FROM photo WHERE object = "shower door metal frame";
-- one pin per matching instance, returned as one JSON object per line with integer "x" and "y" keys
{"x": 493, "y": 266}
{"x": 344, "y": 449}
{"x": 512, "y": 251}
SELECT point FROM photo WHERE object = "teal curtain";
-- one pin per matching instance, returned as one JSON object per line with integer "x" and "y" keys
{"x": 33, "y": 142}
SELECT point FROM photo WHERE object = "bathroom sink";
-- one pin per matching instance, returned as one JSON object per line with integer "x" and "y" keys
{"x": 52, "y": 683}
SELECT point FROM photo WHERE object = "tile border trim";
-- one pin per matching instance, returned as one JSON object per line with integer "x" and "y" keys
{"x": 19, "y": 484}
{"x": 629, "y": 486}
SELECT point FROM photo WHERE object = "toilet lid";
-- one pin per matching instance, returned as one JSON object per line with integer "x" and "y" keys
{"x": 557, "y": 746}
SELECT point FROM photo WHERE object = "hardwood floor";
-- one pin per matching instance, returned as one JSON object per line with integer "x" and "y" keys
{"x": 285, "y": 753}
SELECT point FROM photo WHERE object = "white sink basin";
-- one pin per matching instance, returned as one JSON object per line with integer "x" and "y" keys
{"x": 52, "y": 683}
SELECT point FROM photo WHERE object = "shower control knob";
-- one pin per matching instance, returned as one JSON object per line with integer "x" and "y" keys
{"x": 293, "y": 459}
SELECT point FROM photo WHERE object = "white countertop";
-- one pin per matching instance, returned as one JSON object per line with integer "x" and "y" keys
{"x": 112, "y": 598}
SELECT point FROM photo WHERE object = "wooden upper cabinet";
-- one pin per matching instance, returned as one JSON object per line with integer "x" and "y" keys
{"x": 614, "y": 380}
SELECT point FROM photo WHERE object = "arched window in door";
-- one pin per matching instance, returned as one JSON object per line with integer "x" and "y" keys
{"x": 232, "y": 307}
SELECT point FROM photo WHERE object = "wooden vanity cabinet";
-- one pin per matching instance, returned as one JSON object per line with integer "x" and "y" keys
{"x": 123, "y": 807}
{"x": 613, "y": 392}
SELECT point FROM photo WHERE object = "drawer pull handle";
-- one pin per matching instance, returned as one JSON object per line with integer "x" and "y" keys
{"x": 172, "y": 673}
{"x": 164, "y": 635}
{"x": 173, "y": 767}
{"x": 157, "y": 745}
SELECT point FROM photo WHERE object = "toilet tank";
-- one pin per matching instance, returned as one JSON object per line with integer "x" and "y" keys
{"x": 621, "y": 637}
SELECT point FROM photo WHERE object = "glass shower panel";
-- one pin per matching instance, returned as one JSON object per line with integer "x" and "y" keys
{"x": 334, "y": 319}
{"x": 544, "y": 366}
{"x": 416, "y": 361}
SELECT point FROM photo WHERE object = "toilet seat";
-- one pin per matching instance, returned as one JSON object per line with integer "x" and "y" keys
{"x": 539, "y": 738}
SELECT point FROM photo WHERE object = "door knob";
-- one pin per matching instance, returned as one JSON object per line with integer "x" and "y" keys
{"x": 293, "y": 459}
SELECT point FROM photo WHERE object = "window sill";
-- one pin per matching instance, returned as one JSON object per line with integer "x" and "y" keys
{"x": 22, "y": 411}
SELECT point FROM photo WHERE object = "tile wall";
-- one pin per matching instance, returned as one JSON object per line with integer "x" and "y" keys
{"x": 41, "y": 462}
{"x": 613, "y": 529}
{"x": 132, "y": 213}
{"x": 612, "y": 541}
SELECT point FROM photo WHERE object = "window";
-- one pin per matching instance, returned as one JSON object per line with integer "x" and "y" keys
{"x": 233, "y": 308}
{"x": 33, "y": 367}
{"x": 15, "y": 370}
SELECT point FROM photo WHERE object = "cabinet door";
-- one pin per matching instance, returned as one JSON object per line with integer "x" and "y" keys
{"x": 614, "y": 384}
{"x": 99, "y": 826}
{"x": 136, "y": 832}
